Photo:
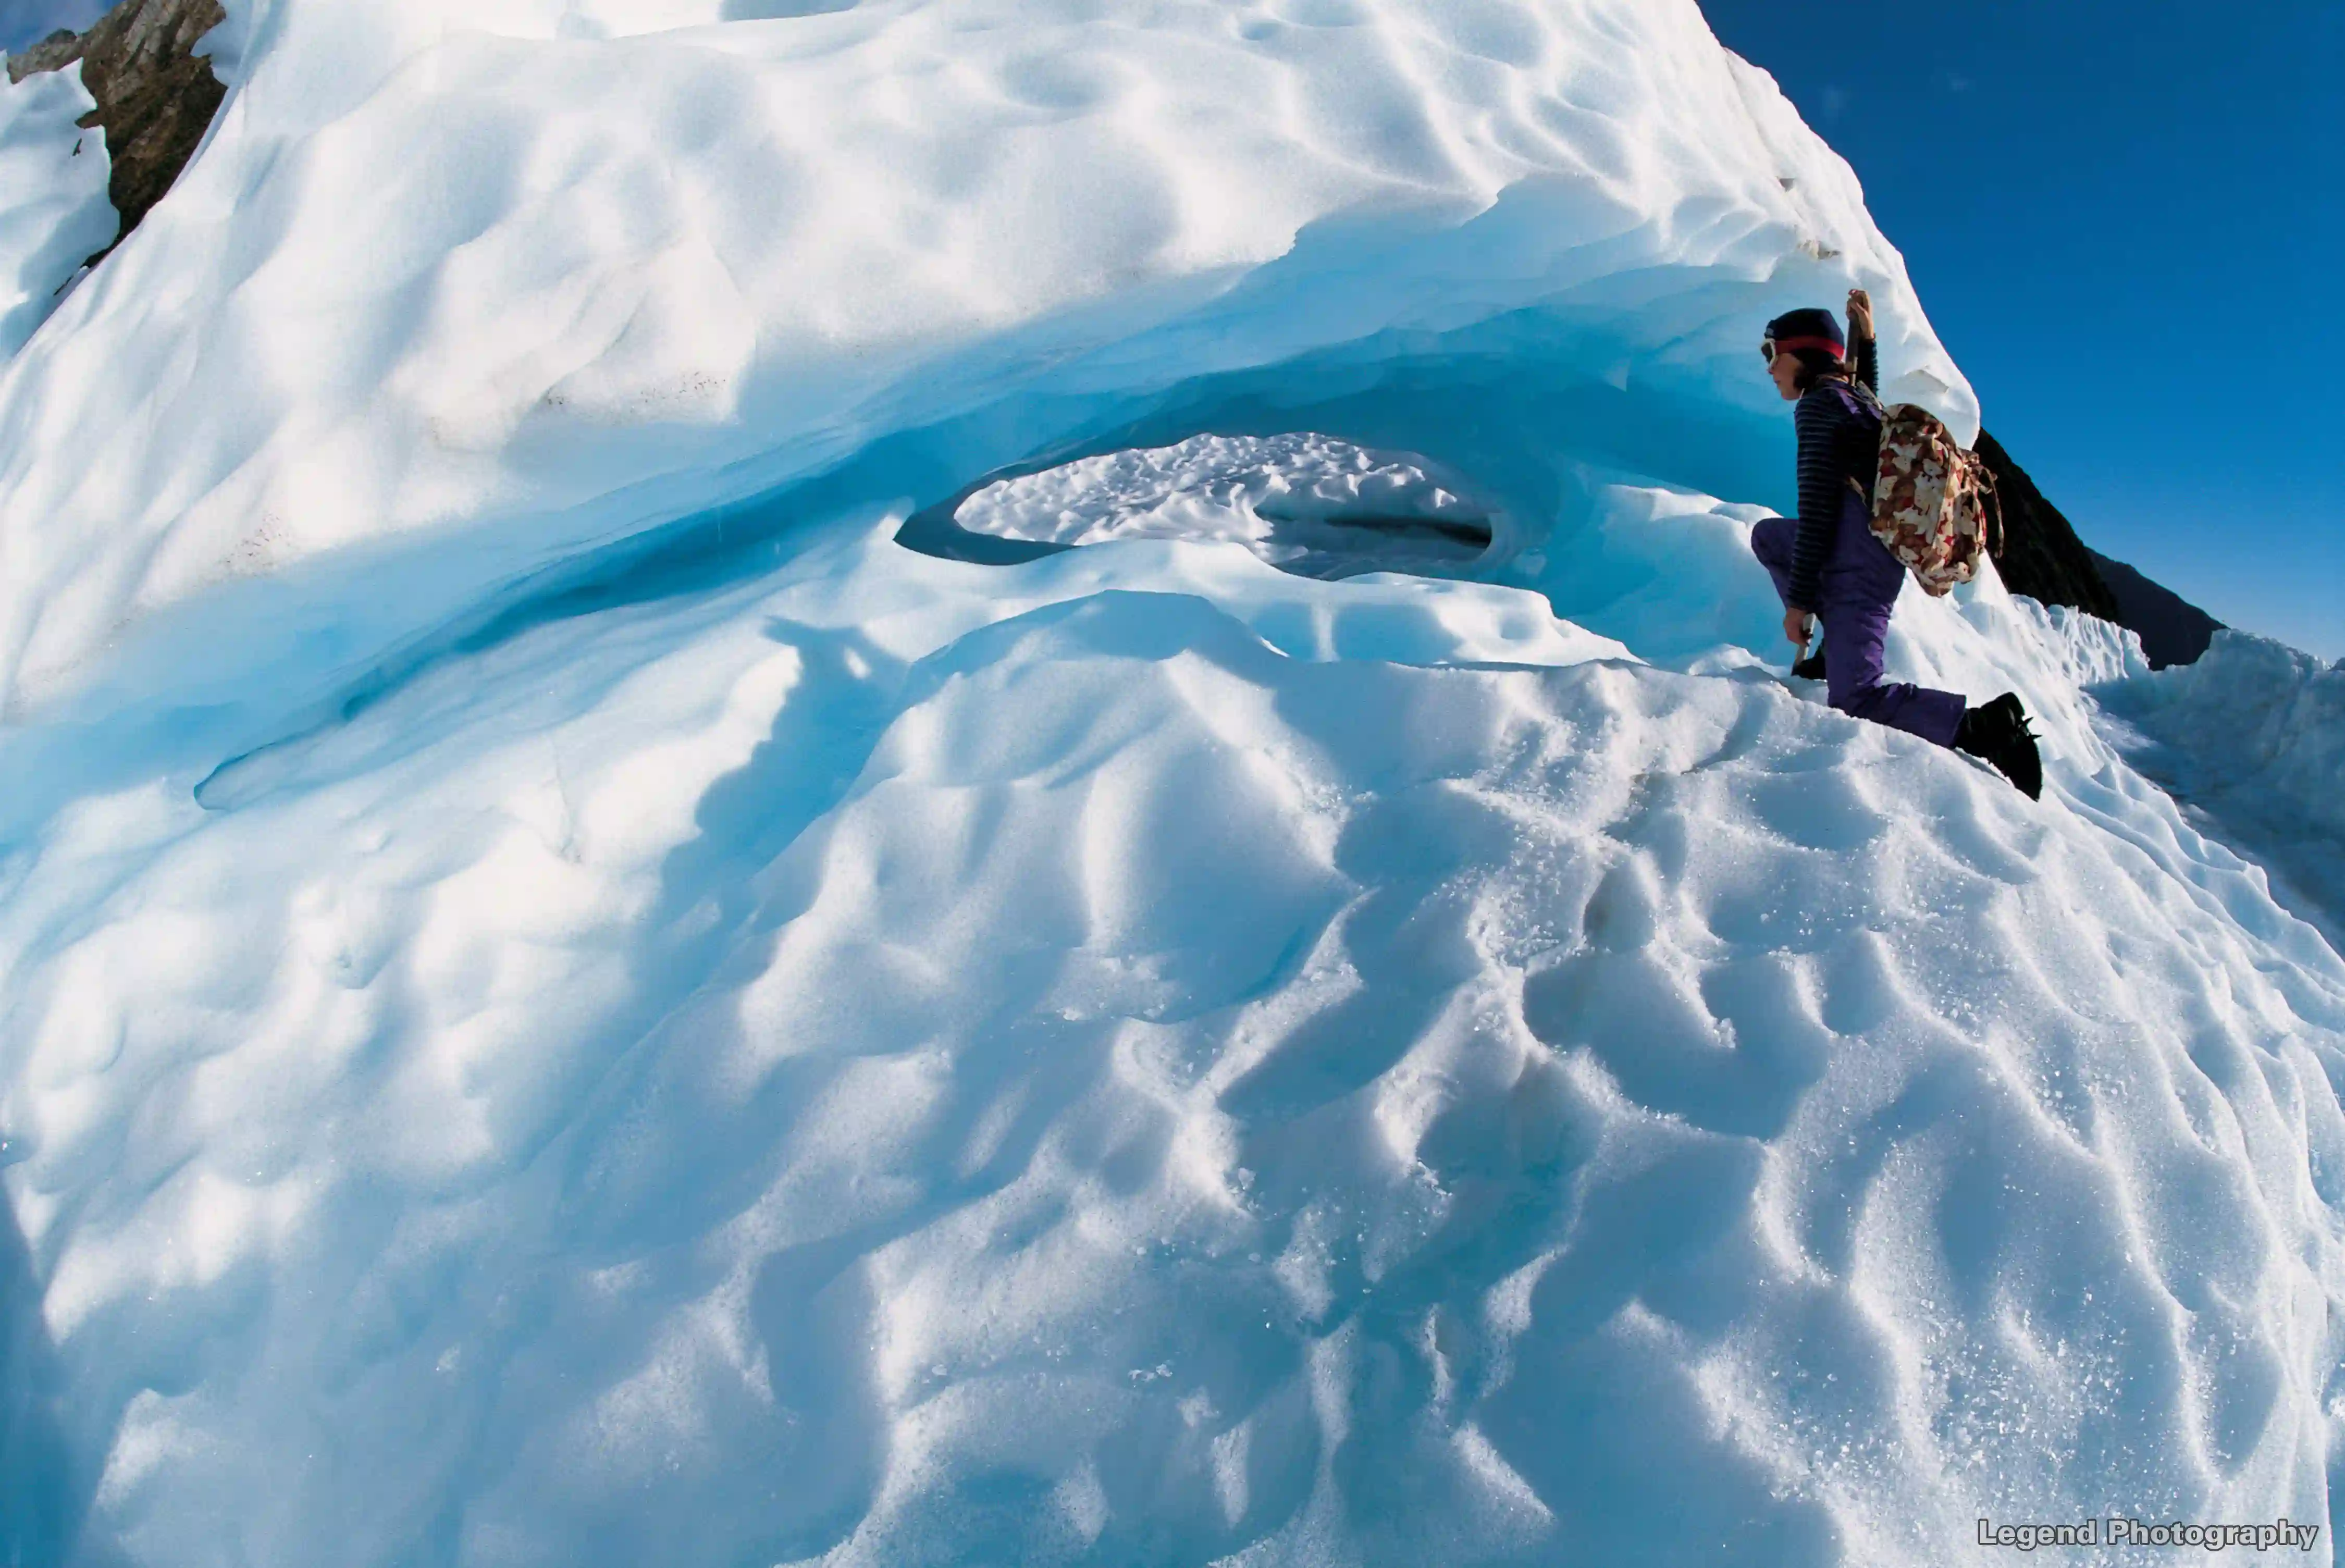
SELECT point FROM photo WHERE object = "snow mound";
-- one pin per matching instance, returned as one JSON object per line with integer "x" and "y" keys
{"x": 453, "y": 291}
{"x": 2253, "y": 736}
{"x": 1309, "y": 504}
{"x": 55, "y": 213}
{"x": 2262, "y": 715}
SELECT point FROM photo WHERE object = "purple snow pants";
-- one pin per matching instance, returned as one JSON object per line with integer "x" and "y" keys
{"x": 1861, "y": 579}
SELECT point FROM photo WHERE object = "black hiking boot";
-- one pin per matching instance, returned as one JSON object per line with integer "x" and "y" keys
{"x": 1997, "y": 734}
{"x": 1810, "y": 667}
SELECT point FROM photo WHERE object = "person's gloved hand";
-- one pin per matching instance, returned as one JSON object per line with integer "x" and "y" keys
{"x": 1860, "y": 316}
{"x": 1796, "y": 626}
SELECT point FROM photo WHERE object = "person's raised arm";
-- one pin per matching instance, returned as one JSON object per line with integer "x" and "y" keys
{"x": 1863, "y": 348}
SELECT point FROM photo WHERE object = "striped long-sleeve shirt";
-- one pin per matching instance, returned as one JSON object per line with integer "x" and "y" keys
{"x": 1840, "y": 439}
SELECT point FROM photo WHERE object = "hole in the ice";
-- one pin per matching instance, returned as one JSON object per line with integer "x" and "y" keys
{"x": 1308, "y": 503}
{"x": 776, "y": 10}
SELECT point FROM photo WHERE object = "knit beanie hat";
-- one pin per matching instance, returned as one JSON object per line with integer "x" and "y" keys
{"x": 1818, "y": 330}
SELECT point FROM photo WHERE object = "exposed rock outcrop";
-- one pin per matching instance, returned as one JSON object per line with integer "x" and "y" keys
{"x": 156, "y": 96}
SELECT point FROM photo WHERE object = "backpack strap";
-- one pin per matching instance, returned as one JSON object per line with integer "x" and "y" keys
{"x": 1859, "y": 402}
{"x": 1858, "y": 410}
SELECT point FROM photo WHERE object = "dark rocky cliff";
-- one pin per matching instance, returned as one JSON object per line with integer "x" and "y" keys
{"x": 156, "y": 98}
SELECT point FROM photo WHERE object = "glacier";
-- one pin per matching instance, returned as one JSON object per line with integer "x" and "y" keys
{"x": 2252, "y": 739}
{"x": 679, "y": 880}
{"x": 52, "y": 190}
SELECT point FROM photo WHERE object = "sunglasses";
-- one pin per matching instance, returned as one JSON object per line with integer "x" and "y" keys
{"x": 1769, "y": 347}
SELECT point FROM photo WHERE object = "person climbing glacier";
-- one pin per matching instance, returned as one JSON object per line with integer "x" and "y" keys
{"x": 1829, "y": 566}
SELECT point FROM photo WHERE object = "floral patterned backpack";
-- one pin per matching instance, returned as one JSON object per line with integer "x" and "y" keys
{"x": 1934, "y": 503}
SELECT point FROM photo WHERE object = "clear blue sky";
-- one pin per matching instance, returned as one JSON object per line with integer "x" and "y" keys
{"x": 2128, "y": 221}
{"x": 23, "y": 22}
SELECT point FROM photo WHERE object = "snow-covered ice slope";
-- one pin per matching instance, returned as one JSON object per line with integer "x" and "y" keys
{"x": 2270, "y": 716}
{"x": 455, "y": 289}
{"x": 565, "y": 998}
{"x": 55, "y": 213}
{"x": 1141, "y": 1057}
{"x": 2253, "y": 734}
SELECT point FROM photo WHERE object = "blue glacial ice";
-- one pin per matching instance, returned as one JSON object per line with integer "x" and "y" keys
{"x": 566, "y": 998}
